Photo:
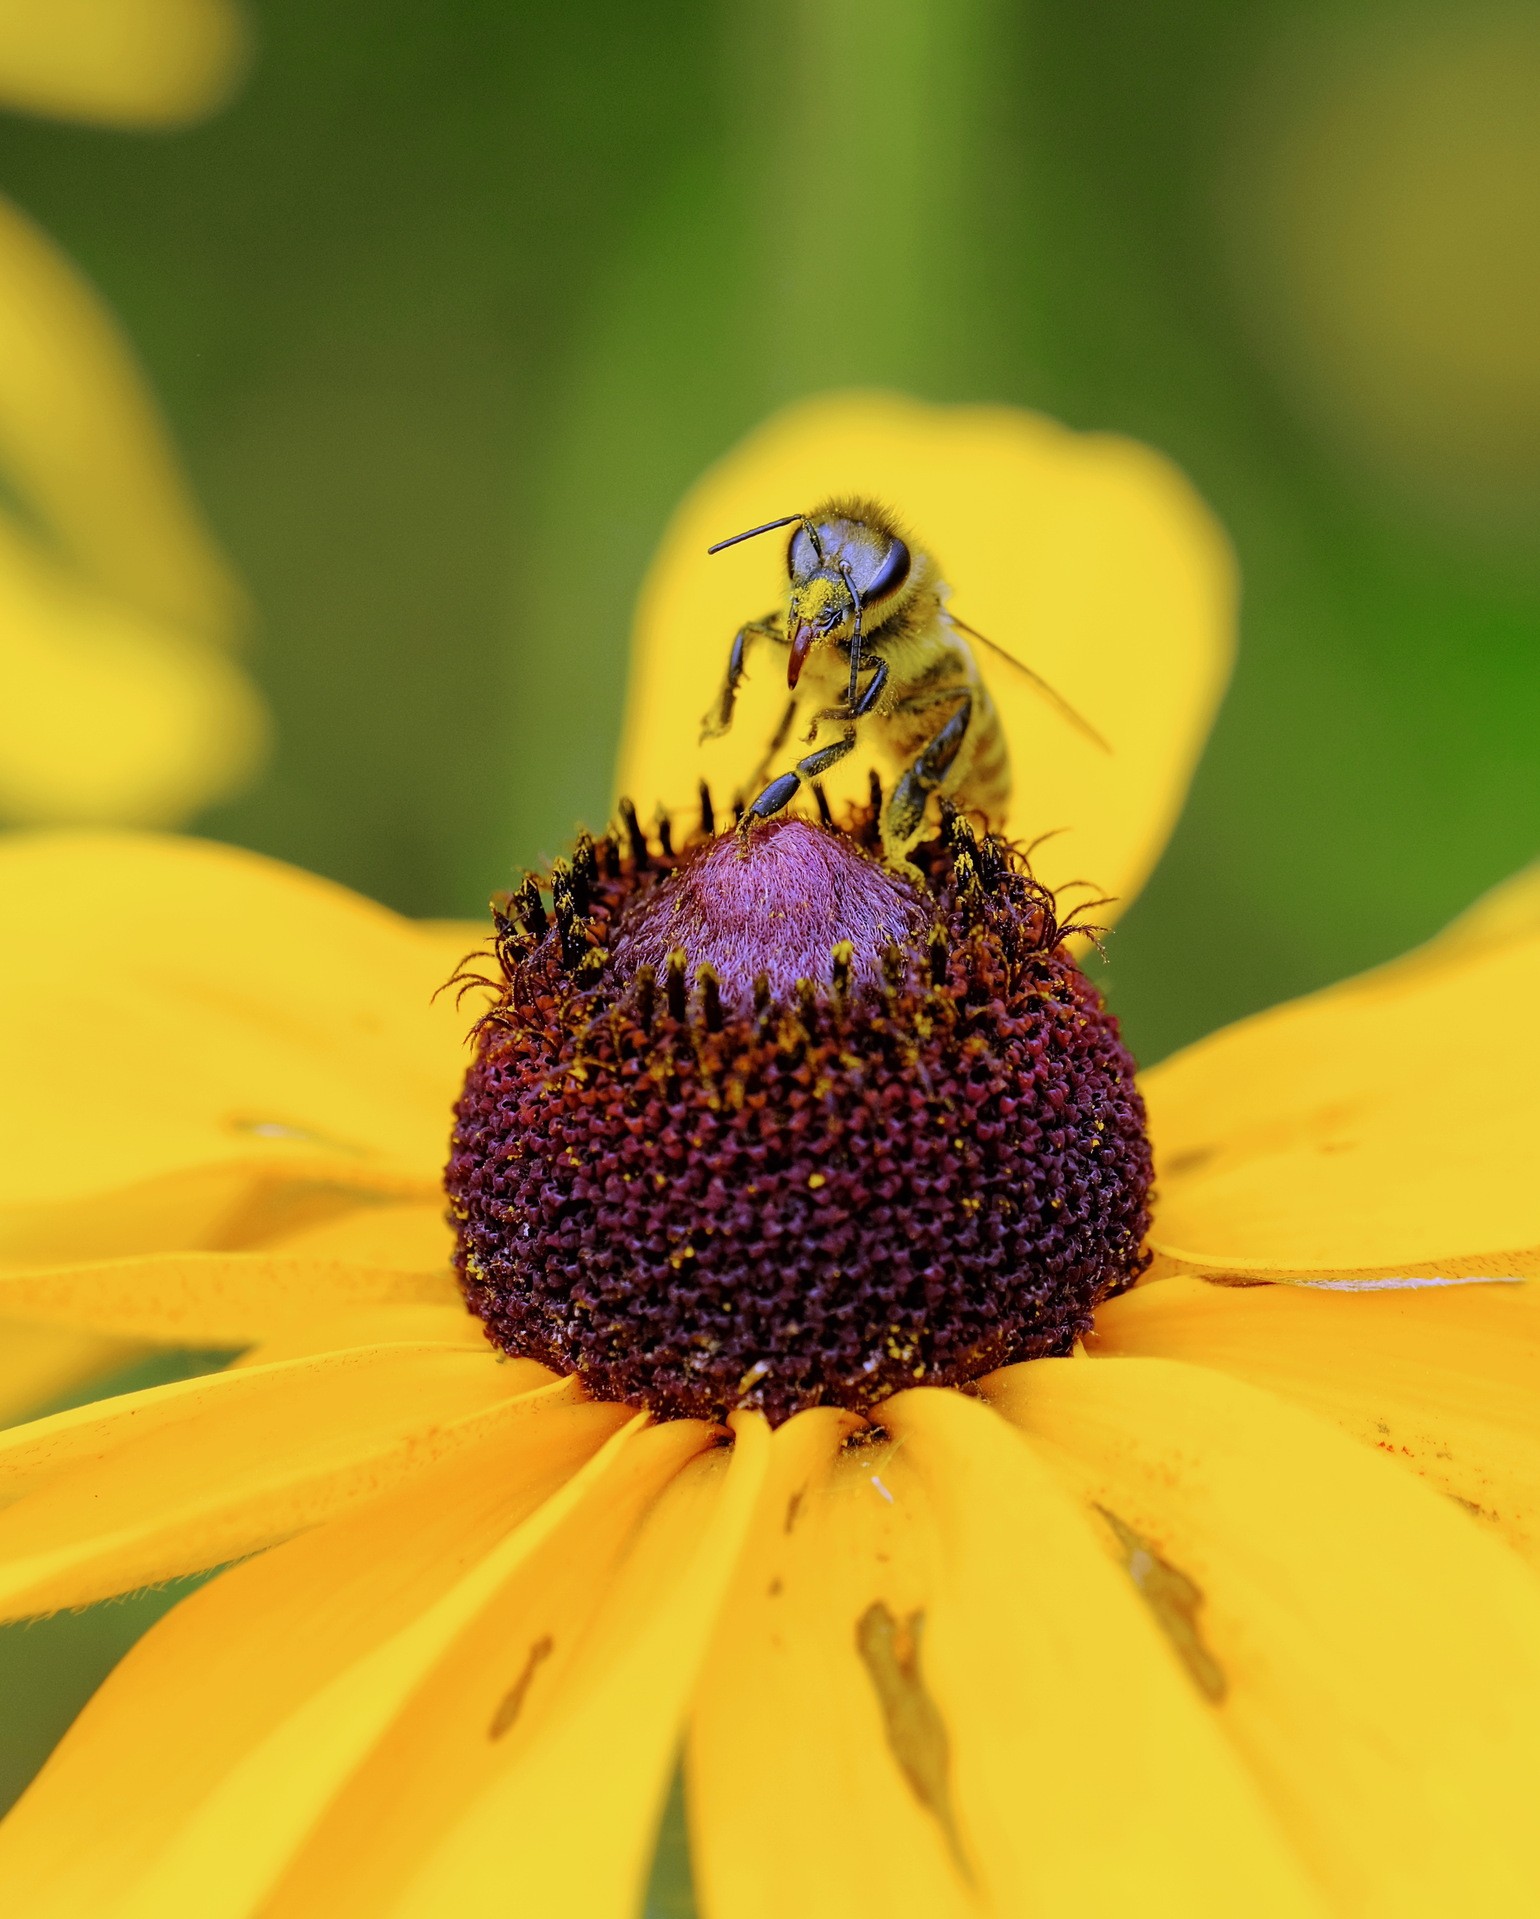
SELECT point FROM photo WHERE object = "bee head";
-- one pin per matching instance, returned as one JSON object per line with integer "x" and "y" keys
{"x": 850, "y": 570}
{"x": 848, "y": 567}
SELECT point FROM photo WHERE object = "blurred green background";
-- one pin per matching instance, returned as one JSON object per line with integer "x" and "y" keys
{"x": 452, "y": 302}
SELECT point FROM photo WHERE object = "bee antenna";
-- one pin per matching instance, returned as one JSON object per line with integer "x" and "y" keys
{"x": 791, "y": 519}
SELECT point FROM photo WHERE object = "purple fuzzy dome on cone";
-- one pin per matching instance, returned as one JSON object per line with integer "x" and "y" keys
{"x": 763, "y": 1123}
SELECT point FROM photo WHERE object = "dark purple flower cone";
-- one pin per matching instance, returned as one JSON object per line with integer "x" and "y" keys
{"x": 766, "y": 1124}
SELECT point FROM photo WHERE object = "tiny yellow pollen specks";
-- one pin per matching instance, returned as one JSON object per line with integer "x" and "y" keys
{"x": 752, "y": 1377}
{"x": 815, "y": 1180}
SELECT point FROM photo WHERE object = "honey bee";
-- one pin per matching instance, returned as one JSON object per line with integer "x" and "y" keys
{"x": 870, "y": 638}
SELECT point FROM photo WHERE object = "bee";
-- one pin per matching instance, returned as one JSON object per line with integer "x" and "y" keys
{"x": 870, "y": 638}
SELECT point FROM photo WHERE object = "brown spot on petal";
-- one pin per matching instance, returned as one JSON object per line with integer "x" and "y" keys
{"x": 1175, "y": 1600}
{"x": 513, "y": 1700}
{"x": 1188, "y": 1161}
{"x": 916, "y": 1732}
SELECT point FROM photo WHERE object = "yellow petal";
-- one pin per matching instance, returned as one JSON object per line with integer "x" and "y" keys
{"x": 466, "y": 1696}
{"x": 107, "y": 715}
{"x": 403, "y": 1237}
{"x": 459, "y": 936}
{"x": 931, "y": 1694}
{"x": 1388, "y": 1126}
{"x": 1089, "y": 557}
{"x": 1507, "y": 912}
{"x": 137, "y": 63}
{"x": 624, "y": 1698}
{"x": 1446, "y": 1379}
{"x": 190, "y": 1036}
{"x": 240, "y": 1203}
{"x": 213, "y": 1299}
{"x": 165, "y": 1482}
{"x": 443, "y": 1325}
{"x": 38, "y": 1363}
{"x": 1510, "y": 910}
{"x": 219, "y": 1677}
{"x": 81, "y": 441}
{"x": 1374, "y": 1657}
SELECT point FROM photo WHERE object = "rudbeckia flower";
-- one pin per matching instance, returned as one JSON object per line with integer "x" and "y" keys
{"x": 992, "y": 1535}
{"x": 119, "y": 699}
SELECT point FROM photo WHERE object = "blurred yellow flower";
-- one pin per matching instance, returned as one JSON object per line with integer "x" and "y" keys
{"x": 1233, "y": 1611}
{"x": 118, "y": 699}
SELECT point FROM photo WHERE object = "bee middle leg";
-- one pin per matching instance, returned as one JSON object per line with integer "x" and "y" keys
{"x": 906, "y": 810}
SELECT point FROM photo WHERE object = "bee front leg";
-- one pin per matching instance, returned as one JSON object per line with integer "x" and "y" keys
{"x": 779, "y": 794}
{"x": 906, "y": 810}
{"x": 719, "y": 717}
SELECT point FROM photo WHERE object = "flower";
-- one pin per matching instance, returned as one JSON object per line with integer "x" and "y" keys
{"x": 769, "y": 1125}
{"x": 119, "y": 699}
{"x": 1233, "y": 1608}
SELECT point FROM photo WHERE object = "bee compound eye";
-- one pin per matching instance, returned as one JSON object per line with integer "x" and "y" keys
{"x": 889, "y": 574}
{"x": 802, "y": 557}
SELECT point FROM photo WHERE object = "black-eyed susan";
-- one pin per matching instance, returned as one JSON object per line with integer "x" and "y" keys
{"x": 1199, "y": 1589}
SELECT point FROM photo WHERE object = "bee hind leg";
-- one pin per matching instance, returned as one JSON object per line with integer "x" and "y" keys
{"x": 906, "y": 810}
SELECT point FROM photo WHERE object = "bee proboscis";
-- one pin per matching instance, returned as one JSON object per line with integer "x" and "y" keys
{"x": 871, "y": 639}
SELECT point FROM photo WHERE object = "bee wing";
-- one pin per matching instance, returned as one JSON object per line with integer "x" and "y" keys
{"x": 1049, "y": 693}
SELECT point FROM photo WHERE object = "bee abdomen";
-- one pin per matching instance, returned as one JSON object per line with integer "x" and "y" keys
{"x": 986, "y": 784}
